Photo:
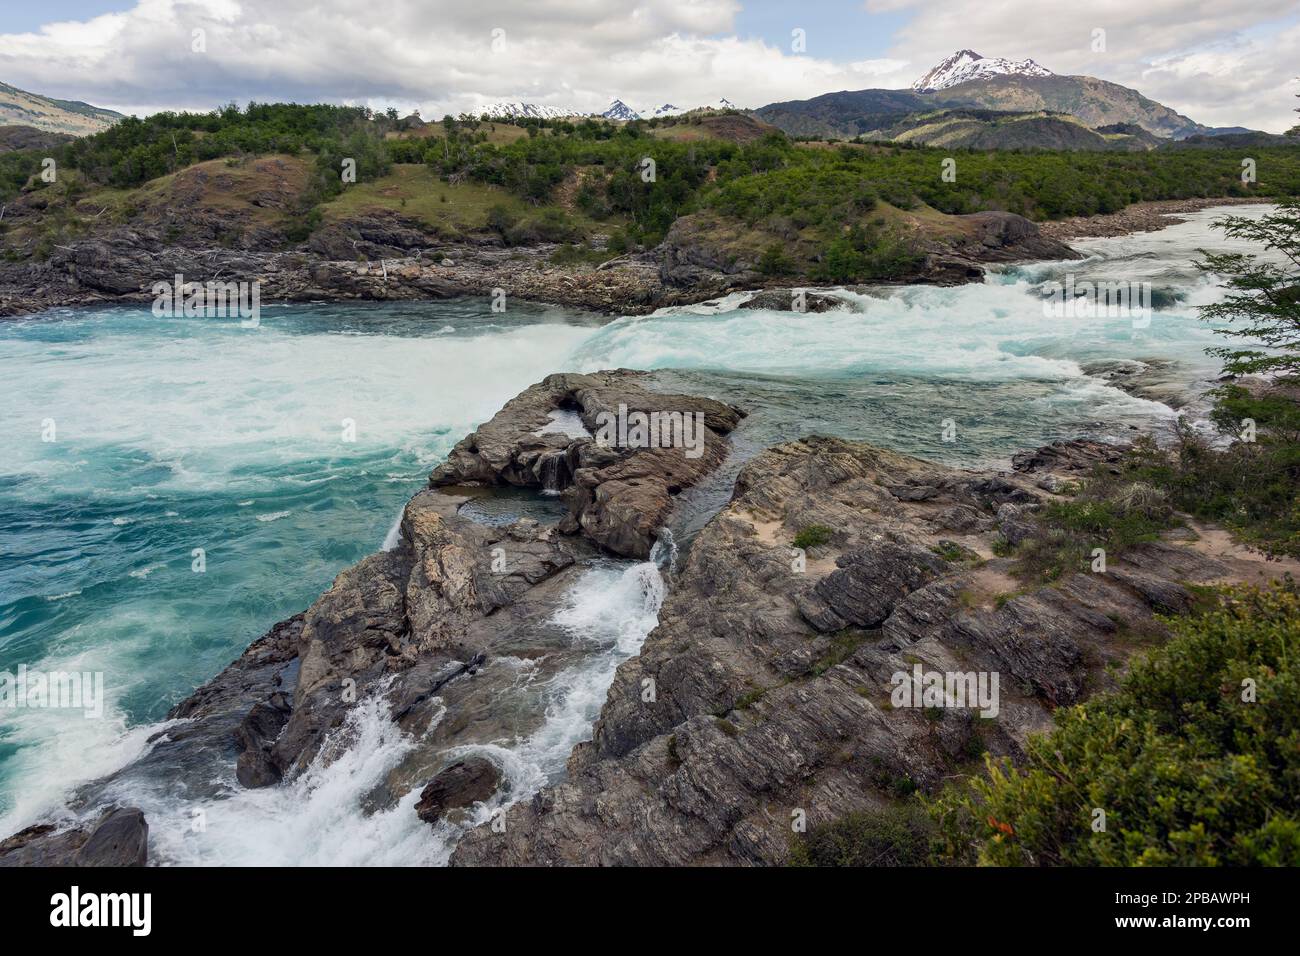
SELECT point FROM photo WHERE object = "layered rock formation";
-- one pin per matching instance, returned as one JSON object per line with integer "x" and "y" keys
{"x": 617, "y": 496}
{"x": 764, "y": 695}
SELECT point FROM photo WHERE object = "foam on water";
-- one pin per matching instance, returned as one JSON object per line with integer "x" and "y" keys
{"x": 320, "y": 818}
{"x": 176, "y": 435}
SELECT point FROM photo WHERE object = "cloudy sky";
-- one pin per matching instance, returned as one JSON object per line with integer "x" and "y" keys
{"x": 1220, "y": 63}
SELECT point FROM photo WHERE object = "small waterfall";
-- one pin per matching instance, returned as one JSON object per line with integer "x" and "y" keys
{"x": 664, "y": 553}
{"x": 394, "y": 536}
{"x": 553, "y": 472}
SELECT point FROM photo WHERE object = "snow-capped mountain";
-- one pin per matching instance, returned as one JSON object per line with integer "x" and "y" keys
{"x": 618, "y": 110}
{"x": 966, "y": 65}
{"x": 524, "y": 111}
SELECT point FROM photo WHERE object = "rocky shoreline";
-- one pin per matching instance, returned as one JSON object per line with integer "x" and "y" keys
{"x": 1139, "y": 217}
{"x": 763, "y": 692}
{"x": 389, "y": 258}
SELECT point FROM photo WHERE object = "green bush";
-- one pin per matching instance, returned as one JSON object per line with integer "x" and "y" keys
{"x": 775, "y": 261}
{"x": 812, "y": 536}
{"x": 1188, "y": 769}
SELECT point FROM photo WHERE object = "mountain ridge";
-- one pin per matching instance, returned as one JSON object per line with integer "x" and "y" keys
{"x": 23, "y": 108}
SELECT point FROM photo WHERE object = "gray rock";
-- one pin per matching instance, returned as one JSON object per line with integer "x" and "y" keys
{"x": 121, "y": 838}
{"x": 869, "y": 582}
{"x": 773, "y": 690}
{"x": 619, "y": 497}
{"x": 462, "y": 784}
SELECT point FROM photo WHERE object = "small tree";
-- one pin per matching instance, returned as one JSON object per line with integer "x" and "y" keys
{"x": 1263, "y": 300}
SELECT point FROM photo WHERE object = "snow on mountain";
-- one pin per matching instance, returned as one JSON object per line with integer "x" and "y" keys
{"x": 966, "y": 65}
{"x": 618, "y": 110}
{"x": 524, "y": 111}
{"x": 671, "y": 109}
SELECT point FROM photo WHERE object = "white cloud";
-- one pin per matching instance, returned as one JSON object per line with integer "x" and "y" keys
{"x": 1195, "y": 55}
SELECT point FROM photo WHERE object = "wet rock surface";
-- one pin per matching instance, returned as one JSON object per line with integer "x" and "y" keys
{"x": 452, "y": 629}
{"x": 120, "y": 837}
{"x": 794, "y": 300}
{"x": 460, "y": 785}
{"x": 766, "y": 689}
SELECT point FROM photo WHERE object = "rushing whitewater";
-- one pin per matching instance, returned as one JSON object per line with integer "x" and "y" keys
{"x": 180, "y": 437}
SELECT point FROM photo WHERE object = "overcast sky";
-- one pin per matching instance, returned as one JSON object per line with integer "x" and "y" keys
{"x": 1219, "y": 63}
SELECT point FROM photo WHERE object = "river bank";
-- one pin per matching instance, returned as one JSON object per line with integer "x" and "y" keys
{"x": 391, "y": 260}
{"x": 1139, "y": 217}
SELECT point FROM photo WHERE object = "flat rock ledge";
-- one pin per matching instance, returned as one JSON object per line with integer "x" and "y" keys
{"x": 120, "y": 837}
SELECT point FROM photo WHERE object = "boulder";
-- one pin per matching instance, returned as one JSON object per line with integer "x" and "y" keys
{"x": 118, "y": 837}
{"x": 121, "y": 838}
{"x": 460, "y": 785}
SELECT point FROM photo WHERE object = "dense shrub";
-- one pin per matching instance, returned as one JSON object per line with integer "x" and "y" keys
{"x": 1194, "y": 759}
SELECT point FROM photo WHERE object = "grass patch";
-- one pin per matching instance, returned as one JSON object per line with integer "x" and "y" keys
{"x": 1109, "y": 513}
{"x": 843, "y": 644}
{"x": 898, "y": 835}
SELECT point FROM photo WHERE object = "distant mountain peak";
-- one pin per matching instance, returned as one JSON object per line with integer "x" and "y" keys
{"x": 618, "y": 110}
{"x": 966, "y": 65}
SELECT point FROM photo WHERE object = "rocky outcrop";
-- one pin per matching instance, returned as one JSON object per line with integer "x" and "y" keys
{"x": 120, "y": 837}
{"x": 794, "y": 300}
{"x": 1007, "y": 237}
{"x": 1148, "y": 216}
{"x": 765, "y": 695}
{"x": 619, "y": 491}
{"x": 435, "y": 628}
{"x": 1156, "y": 380}
{"x": 1078, "y": 457}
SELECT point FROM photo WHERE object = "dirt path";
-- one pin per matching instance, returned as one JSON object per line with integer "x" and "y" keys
{"x": 1248, "y": 566}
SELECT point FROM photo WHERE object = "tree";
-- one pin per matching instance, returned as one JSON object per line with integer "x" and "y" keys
{"x": 1263, "y": 300}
